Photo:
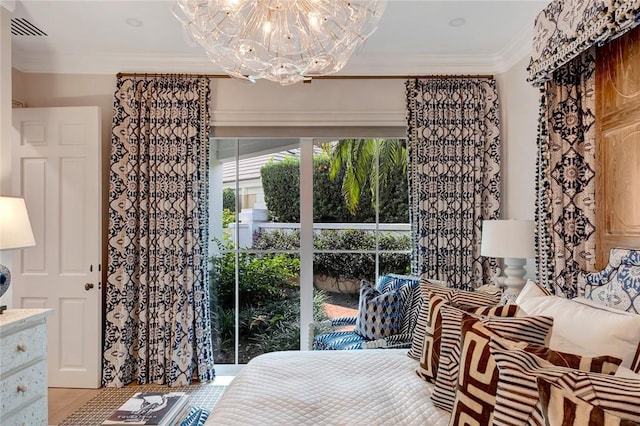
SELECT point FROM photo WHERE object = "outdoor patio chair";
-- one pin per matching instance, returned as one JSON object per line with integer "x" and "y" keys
{"x": 408, "y": 290}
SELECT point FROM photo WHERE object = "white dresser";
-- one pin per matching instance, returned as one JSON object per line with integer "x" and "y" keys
{"x": 23, "y": 367}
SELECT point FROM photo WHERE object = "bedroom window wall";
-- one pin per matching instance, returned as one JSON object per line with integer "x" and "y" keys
{"x": 285, "y": 248}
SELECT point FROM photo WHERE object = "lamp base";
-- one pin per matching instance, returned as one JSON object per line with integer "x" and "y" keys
{"x": 514, "y": 270}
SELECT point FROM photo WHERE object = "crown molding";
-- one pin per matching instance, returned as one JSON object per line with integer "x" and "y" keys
{"x": 10, "y": 5}
{"x": 515, "y": 51}
{"x": 370, "y": 65}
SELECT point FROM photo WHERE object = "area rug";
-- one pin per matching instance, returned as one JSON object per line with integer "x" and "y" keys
{"x": 94, "y": 412}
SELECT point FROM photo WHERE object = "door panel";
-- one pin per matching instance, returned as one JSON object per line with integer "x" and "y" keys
{"x": 56, "y": 161}
{"x": 618, "y": 145}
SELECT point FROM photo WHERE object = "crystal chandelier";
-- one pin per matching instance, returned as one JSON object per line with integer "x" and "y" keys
{"x": 279, "y": 40}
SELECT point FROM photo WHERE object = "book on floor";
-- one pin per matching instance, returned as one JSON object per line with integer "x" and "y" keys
{"x": 149, "y": 408}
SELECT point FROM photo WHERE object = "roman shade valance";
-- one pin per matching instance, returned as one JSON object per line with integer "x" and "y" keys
{"x": 566, "y": 28}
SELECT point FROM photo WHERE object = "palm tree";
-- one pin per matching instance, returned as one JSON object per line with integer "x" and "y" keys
{"x": 359, "y": 158}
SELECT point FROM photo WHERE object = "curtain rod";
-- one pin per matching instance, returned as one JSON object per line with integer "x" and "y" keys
{"x": 310, "y": 79}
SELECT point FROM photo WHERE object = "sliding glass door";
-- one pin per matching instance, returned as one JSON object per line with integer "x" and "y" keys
{"x": 293, "y": 231}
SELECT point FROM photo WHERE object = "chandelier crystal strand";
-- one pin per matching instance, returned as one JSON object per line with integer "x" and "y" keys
{"x": 279, "y": 40}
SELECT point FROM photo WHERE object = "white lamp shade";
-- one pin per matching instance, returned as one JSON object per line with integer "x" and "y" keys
{"x": 15, "y": 228}
{"x": 508, "y": 239}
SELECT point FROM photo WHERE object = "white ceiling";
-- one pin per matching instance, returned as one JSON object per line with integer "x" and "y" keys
{"x": 414, "y": 38}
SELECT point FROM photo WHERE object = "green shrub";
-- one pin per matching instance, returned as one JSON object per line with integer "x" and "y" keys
{"x": 281, "y": 185}
{"x": 228, "y": 217}
{"x": 344, "y": 265}
{"x": 229, "y": 199}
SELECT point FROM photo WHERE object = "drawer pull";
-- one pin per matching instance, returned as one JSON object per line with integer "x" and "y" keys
{"x": 22, "y": 347}
{"x": 21, "y": 388}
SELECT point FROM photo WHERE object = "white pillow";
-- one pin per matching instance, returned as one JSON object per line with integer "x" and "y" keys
{"x": 623, "y": 371}
{"x": 586, "y": 330}
{"x": 530, "y": 289}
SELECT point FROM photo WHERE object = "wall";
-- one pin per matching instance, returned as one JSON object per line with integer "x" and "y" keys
{"x": 519, "y": 120}
{"x": 358, "y": 104}
{"x": 5, "y": 123}
{"x": 519, "y": 117}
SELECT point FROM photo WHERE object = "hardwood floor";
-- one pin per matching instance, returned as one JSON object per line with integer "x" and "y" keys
{"x": 64, "y": 401}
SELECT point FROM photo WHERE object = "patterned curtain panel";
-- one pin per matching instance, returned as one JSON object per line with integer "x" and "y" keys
{"x": 157, "y": 327}
{"x": 566, "y": 28}
{"x": 454, "y": 176}
{"x": 565, "y": 199}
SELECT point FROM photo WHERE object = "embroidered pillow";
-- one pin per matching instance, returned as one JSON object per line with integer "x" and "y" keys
{"x": 378, "y": 313}
{"x": 519, "y": 365}
{"x": 444, "y": 393}
{"x": 562, "y": 407}
{"x": 469, "y": 301}
{"x": 478, "y": 375}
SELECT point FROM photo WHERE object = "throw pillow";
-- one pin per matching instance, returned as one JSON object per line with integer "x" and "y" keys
{"x": 378, "y": 314}
{"x": 619, "y": 396}
{"x": 478, "y": 375}
{"x": 426, "y": 288}
{"x": 466, "y": 299}
{"x": 516, "y": 391}
{"x": 444, "y": 393}
{"x": 587, "y": 330}
{"x": 561, "y": 407}
{"x": 469, "y": 301}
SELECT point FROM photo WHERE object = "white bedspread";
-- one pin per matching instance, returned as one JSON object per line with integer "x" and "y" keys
{"x": 361, "y": 387}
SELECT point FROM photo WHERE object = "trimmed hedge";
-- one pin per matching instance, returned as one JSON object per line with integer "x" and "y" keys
{"x": 281, "y": 185}
{"x": 343, "y": 265}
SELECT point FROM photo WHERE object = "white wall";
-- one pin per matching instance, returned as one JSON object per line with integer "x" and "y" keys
{"x": 5, "y": 123}
{"x": 326, "y": 103}
{"x": 519, "y": 116}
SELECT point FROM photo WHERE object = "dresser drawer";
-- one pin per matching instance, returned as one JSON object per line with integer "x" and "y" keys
{"x": 22, "y": 347}
{"x": 23, "y": 387}
{"x": 33, "y": 415}
{"x": 36, "y": 414}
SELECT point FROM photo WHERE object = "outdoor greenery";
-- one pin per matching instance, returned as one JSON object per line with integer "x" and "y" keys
{"x": 343, "y": 265}
{"x": 229, "y": 199}
{"x": 269, "y": 301}
{"x": 357, "y": 162}
{"x": 281, "y": 185}
{"x": 269, "y": 294}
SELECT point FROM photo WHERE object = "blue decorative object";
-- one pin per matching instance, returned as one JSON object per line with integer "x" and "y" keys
{"x": 5, "y": 280}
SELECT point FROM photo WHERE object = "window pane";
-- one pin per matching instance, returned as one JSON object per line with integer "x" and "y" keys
{"x": 361, "y": 213}
{"x": 255, "y": 259}
{"x": 269, "y": 304}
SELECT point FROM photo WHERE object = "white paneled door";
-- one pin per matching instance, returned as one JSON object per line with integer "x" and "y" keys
{"x": 56, "y": 168}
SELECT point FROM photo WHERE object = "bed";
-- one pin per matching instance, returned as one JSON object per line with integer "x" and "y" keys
{"x": 380, "y": 386}
{"x": 377, "y": 386}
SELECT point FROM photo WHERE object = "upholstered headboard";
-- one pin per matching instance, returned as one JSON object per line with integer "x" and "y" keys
{"x": 618, "y": 284}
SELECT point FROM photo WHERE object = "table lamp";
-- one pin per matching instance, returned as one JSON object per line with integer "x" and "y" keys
{"x": 15, "y": 232}
{"x": 513, "y": 241}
